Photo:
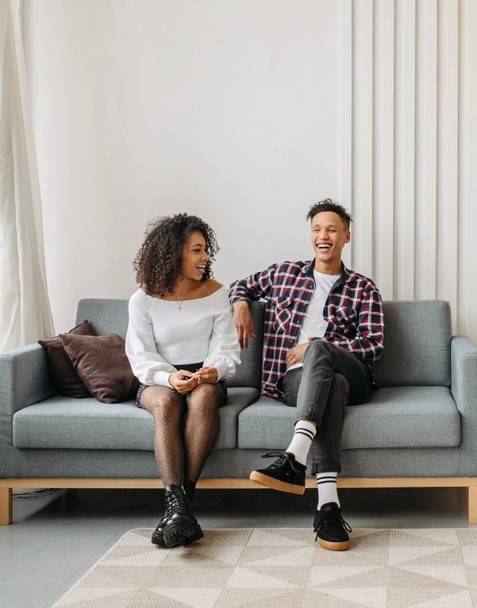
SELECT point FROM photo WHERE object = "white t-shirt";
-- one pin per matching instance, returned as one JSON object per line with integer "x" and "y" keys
{"x": 162, "y": 334}
{"x": 314, "y": 324}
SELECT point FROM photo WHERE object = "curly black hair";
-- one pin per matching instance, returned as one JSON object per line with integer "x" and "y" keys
{"x": 329, "y": 205}
{"x": 158, "y": 261}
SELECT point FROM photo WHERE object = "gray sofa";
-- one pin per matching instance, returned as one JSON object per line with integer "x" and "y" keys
{"x": 418, "y": 430}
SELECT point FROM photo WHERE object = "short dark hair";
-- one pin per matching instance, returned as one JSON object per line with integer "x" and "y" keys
{"x": 329, "y": 205}
{"x": 158, "y": 261}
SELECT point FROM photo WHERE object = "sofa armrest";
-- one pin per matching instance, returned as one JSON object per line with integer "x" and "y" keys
{"x": 464, "y": 374}
{"x": 24, "y": 378}
{"x": 464, "y": 391}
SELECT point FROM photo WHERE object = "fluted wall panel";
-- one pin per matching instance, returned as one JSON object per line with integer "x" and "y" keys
{"x": 467, "y": 169}
{"x": 426, "y": 150}
{"x": 383, "y": 145}
{"x": 408, "y": 147}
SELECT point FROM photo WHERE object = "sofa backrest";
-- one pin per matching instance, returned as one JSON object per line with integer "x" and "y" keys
{"x": 249, "y": 372}
{"x": 111, "y": 317}
{"x": 106, "y": 316}
{"x": 417, "y": 336}
{"x": 416, "y": 352}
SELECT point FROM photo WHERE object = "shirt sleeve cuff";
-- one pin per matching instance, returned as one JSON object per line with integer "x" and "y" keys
{"x": 161, "y": 378}
{"x": 222, "y": 369}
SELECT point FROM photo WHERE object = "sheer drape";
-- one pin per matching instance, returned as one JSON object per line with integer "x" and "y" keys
{"x": 24, "y": 307}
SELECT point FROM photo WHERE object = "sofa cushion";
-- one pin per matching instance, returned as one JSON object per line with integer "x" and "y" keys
{"x": 102, "y": 364}
{"x": 62, "y": 423}
{"x": 398, "y": 417}
{"x": 62, "y": 372}
{"x": 417, "y": 336}
{"x": 401, "y": 417}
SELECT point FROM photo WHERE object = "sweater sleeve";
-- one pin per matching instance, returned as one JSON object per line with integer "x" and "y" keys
{"x": 224, "y": 349}
{"x": 148, "y": 366}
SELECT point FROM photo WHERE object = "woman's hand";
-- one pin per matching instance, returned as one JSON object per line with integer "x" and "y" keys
{"x": 183, "y": 381}
{"x": 208, "y": 375}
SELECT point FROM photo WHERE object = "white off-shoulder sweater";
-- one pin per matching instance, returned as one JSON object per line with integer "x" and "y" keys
{"x": 163, "y": 334}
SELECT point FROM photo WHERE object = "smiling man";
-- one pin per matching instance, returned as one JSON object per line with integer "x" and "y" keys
{"x": 323, "y": 334}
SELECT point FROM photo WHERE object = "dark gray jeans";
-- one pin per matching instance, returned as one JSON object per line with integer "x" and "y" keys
{"x": 330, "y": 379}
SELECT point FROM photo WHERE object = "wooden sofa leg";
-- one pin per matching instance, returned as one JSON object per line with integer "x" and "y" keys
{"x": 472, "y": 504}
{"x": 6, "y": 506}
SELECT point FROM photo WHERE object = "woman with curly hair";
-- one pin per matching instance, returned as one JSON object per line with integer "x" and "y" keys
{"x": 181, "y": 344}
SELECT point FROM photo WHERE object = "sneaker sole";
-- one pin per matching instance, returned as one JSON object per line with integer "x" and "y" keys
{"x": 276, "y": 484}
{"x": 325, "y": 544}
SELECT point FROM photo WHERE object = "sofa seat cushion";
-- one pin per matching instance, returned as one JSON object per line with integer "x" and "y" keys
{"x": 395, "y": 417}
{"x": 62, "y": 422}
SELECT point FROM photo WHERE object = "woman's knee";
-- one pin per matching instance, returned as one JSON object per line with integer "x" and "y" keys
{"x": 205, "y": 398}
{"x": 161, "y": 401}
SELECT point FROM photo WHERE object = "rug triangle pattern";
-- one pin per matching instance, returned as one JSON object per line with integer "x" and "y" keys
{"x": 279, "y": 568}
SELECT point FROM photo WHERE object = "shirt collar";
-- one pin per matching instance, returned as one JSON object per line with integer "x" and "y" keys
{"x": 346, "y": 274}
{"x": 345, "y": 277}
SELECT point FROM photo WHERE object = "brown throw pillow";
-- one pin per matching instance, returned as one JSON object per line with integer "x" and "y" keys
{"x": 102, "y": 364}
{"x": 63, "y": 375}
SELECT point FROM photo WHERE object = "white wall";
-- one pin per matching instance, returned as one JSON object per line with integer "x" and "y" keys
{"x": 246, "y": 112}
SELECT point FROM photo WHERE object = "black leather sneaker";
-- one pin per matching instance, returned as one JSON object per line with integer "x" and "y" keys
{"x": 331, "y": 529}
{"x": 181, "y": 527}
{"x": 284, "y": 475}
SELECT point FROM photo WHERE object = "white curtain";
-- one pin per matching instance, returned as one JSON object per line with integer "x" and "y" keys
{"x": 25, "y": 314}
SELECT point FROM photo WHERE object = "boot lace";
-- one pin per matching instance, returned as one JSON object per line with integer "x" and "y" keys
{"x": 176, "y": 502}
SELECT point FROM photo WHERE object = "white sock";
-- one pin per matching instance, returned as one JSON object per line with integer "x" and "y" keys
{"x": 301, "y": 442}
{"x": 327, "y": 489}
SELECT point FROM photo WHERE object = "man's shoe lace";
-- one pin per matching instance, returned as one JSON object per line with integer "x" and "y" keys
{"x": 283, "y": 458}
{"x": 331, "y": 520}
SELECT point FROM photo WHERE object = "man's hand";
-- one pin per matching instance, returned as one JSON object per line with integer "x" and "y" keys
{"x": 243, "y": 322}
{"x": 208, "y": 375}
{"x": 296, "y": 354}
{"x": 183, "y": 381}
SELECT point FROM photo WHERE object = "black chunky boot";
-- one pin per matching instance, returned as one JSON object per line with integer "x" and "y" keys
{"x": 189, "y": 488}
{"x": 158, "y": 534}
{"x": 181, "y": 527}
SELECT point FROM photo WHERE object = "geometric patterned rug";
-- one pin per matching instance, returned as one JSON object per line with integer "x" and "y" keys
{"x": 284, "y": 568}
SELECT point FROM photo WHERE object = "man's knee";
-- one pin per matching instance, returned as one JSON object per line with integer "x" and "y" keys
{"x": 318, "y": 349}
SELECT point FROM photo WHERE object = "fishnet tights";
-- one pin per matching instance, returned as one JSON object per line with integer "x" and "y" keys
{"x": 185, "y": 428}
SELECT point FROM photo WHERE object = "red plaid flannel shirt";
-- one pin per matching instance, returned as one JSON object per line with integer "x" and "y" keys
{"x": 353, "y": 310}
